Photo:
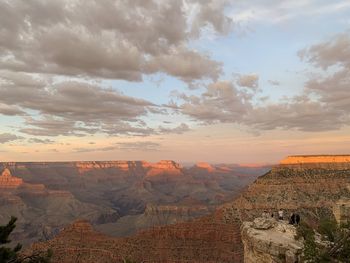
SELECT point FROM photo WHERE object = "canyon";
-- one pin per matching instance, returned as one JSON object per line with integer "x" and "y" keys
{"x": 308, "y": 187}
{"x": 118, "y": 198}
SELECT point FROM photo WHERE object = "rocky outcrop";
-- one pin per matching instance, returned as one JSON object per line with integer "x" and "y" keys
{"x": 316, "y": 159}
{"x": 334, "y": 162}
{"x": 341, "y": 211}
{"x": 269, "y": 241}
{"x": 114, "y": 195}
{"x": 121, "y": 165}
{"x": 312, "y": 191}
{"x": 8, "y": 181}
{"x": 162, "y": 167}
{"x": 206, "y": 166}
{"x": 193, "y": 242}
{"x": 309, "y": 190}
{"x": 165, "y": 167}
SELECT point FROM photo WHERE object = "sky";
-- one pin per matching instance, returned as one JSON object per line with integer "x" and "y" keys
{"x": 239, "y": 81}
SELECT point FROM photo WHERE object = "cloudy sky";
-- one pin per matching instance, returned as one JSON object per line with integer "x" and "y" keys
{"x": 239, "y": 81}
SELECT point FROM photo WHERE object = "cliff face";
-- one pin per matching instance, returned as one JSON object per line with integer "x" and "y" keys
{"x": 312, "y": 191}
{"x": 270, "y": 241}
{"x": 8, "y": 181}
{"x": 118, "y": 197}
{"x": 299, "y": 184}
{"x": 200, "y": 241}
{"x": 164, "y": 167}
{"x": 302, "y": 162}
{"x": 205, "y": 166}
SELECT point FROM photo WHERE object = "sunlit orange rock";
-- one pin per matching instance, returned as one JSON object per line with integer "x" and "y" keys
{"x": 124, "y": 166}
{"x": 301, "y": 159}
{"x": 165, "y": 167}
{"x": 8, "y": 181}
{"x": 205, "y": 166}
{"x": 317, "y": 161}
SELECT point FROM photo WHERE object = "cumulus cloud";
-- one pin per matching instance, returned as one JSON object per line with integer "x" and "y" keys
{"x": 129, "y": 39}
{"x": 8, "y": 137}
{"x": 72, "y": 107}
{"x": 187, "y": 65}
{"x": 10, "y": 110}
{"x": 95, "y": 149}
{"x": 324, "y": 103}
{"x": 183, "y": 127}
{"x": 210, "y": 12}
{"x": 334, "y": 52}
{"x": 297, "y": 113}
{"x": 41, "y": 141}
{"x": 248, "y": 81}
{"x": 43, "y": 45}
{"x": 110, "y": 39}
{"x": 221, "y": 102}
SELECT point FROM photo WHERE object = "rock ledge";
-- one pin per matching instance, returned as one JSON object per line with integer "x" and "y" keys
{"x": 269, "y": 241}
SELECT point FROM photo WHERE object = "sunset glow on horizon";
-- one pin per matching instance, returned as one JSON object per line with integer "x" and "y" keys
{"x": 215, "y": 81}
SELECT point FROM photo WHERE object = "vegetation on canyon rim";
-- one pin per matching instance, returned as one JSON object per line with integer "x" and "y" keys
{"x": 12, "y": 255}
{"x": 331, "y": 243}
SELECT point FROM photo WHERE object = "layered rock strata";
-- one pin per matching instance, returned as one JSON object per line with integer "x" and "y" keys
{"x": 201, "y": 241}
{"x": 9, "y": 181}
{"x": 118, "y": 197}
{"x": 296, "y": 185}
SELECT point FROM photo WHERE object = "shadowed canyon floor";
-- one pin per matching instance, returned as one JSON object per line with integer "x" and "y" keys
{"x": 117, "y": 197}
{"x": 310, "y": 188}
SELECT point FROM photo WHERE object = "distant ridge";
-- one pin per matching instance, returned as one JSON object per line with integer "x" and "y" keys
{"x": 309, "y": 159}
{"x": 311, "y": 189}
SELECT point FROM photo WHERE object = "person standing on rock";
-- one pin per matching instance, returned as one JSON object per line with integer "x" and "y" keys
{"x": 297, "y": 219}
{"x": 292, "y": 219}
{"x": 280, "y": 214}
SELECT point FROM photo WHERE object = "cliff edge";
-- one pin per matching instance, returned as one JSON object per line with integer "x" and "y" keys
{"x": 266, "y": 240}
{"x": 337, "y": 162}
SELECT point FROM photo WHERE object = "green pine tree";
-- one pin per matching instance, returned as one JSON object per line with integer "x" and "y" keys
{"x": 11, "y": 255}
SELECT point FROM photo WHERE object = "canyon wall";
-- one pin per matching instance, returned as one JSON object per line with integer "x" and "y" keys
{"x": 332, "y": 162}
{"x": 117, "y": 197}
{"x": 294, "y": 186}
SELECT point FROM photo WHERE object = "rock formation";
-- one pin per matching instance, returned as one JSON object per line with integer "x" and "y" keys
{"x": 337, "y": 162}
{"x": 315, "y": 159}
{"x": 205, "y": 166}
{"x": 309, "y": 188}
{"x": 200, "y": 241}
{"x": 341, "y": 211}
{"x": 165, "y": 167}
{"x": 162, "y": 167}
{"x": 118, "y": 197}
{"x": 8, "y": 181}
{"x": 269, "y": 241}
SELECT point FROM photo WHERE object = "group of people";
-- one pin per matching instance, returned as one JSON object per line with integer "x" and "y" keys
{"x": 294, "y": 218}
